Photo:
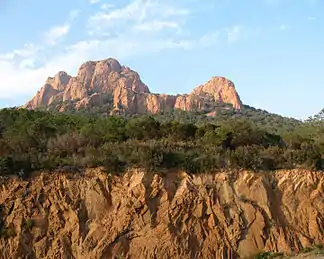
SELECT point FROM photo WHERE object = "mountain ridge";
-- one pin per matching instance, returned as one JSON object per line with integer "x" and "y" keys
{"x": 108, "y": 83}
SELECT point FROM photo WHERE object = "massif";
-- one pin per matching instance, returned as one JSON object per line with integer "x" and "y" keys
{"x": 107, "y": 82}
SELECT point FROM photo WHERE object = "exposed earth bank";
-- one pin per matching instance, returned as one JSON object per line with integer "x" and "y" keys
{"x": 144, "y": 215}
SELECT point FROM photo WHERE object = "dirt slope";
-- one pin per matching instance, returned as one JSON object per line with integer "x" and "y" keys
{"x": 141, "y": 215}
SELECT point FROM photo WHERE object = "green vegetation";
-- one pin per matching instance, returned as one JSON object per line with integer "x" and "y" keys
{"x": 36, "y": 140}
{"x": 271, "y": 122}
{"x": 268, "y": 255}
{"x": 7, "y": 232}
{"x": 319, "y": 249}
{"x": 314, "y": 250}
{"x": 28, "y": 224}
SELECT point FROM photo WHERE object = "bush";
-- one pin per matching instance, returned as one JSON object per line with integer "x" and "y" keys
{"x": 8, "y": 232}
{"x": 268, "y": 255}
{"x": 113, "y": 164}
{"x": 6, "y": 166}
{"x": 35, "y": 140}
{"x": 246, "y": 157}
{"x": 28, "y": 224}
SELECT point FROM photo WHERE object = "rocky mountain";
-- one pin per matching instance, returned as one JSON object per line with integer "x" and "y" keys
{"x": 143, "y": 215}
{"x": 108, "y": 84}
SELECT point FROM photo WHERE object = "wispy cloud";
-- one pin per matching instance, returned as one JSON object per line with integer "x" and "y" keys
{"x": 94, "y": 1}
{"x": 284, "y": 27}
{"x": 311, "y": 18}
{"x": 140, "y": 14}
{"x": 280, "y": 2}
{"x": 26, "y": 51}
{"x": 273, "y": 2}
{"x": 56, "y": 33}
{"x": 156, "y": 26}
{"x": 107, "y": 6}
{"x": 73, "y": 15}
{"x": 209, "y": 38}
{"x": 234, "y": 33}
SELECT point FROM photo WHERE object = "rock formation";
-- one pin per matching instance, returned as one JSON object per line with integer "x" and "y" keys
{"x": 142, "y": 215}
{"x": 98, "y": 79}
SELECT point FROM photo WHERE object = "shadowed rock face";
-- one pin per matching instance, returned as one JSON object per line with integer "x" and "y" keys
{"x": 141, "y": 215}
{"x": 128, "y": 92}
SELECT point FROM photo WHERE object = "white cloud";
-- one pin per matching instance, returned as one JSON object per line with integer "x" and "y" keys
{"x": 278, "y": 2}
{"x": 234, "y": 33}
{"x": 311, "y": 18}
{"x": 137, "y": 13}
{"x": 73, "y": 15}
{"x": 19, "y": 80}
{"x": 26, "y": 51}
{"x": 272, "y": 2}
{"x": 284, "y": 27}
{"x": 94, "y": 1}
{"x": 156, "y": 26}
{"x": 210, "y": 38}
{"x": 56, "y": 33}
{"x": 107, "y": 6}
{"x": 134, "y": 11}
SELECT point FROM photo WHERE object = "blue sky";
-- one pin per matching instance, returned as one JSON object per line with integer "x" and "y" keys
{"x": 271, "y": 49}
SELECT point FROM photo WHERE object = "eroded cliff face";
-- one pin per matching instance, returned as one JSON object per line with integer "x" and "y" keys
{"x": 95, "y": 79}
{"x": 141, "y": 215}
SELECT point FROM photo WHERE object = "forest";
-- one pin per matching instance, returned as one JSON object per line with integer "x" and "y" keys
{"x": 32, "y": 140}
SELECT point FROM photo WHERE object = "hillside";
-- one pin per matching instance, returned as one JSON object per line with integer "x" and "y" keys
{"x": 143, "y": 215}
{"x": 103, "y": 88}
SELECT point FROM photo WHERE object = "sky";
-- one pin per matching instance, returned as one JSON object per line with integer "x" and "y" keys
{"x": 273, "y": 50}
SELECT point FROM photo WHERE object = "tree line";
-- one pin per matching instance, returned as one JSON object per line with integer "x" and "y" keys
{"x": 38, "y": 140}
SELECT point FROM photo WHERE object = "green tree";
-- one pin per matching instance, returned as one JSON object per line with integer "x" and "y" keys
{"x": 143, "y": 128}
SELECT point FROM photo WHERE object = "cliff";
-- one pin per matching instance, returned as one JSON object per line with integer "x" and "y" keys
{"x": 108, "y": 83}
{"x": 141, "y": 215}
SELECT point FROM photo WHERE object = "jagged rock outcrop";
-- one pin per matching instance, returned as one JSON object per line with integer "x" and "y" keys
{"x": 144, "y": 215}
{"x": 96, "y": 79}
{"x": 221, "y": 89}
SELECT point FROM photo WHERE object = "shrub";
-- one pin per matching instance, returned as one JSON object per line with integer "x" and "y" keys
{"x": 6, "y": 166}
{"x": 28, "y": 224}
{"x": 8, "y": 232}
{"x": 35, "y": 140}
